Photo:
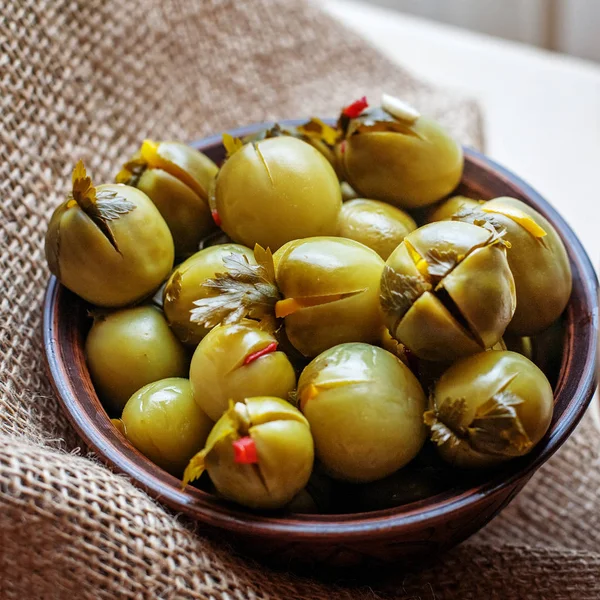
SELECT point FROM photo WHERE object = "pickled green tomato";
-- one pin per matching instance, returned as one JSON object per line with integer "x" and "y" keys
{"x": 277, "y": 190}
{"x": 377, "y": 225}
{"x": 177, "y": 179}
{"x": 521, "y": 345}
{"x": 488, "y": 408}
{"x": 129, "y": 348}
{"x": 547, "y": 349}
{"x": 538, "y": 260}
{"x": 365, "y": 410}
{"x": 185, "y": 287}
{"x": 410, "y": 168}
{"x": 234, "y": 362}
{"x": 120, "y": 264}
{"x": 187, "y": 216}
{"x": 330, "y": 288}
{"x": 315, "y": 132}
{"x": 165, "y": 424}
{"x": 319, "y": 495}
{"x": 447, "y": 291}
{"x": 407, "y": 485}
{"x": 450, "y": 208}
{"x": 259, "y": 454}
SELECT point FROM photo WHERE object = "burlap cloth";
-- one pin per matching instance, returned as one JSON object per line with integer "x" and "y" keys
{"x": 91, "y": 78}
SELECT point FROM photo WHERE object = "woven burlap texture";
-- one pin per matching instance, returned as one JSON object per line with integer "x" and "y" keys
{"x": 89, "y": 79}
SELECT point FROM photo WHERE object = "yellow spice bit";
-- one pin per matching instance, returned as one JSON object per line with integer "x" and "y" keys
{"x": 420, "y": 262}
{"x": 309, "y": 392}
{"x": 149, "y": 153}
{"x": 232, "y": 145}
{"x": 194, "y": 469}
{"x": 123, "y": 176}
{"x": 329, "y": 134}
{"x": 286, "y": 307}
{"x": 518, "y": 216}
{"x": 423, "y": 267}
{"x": 412, "y": 251}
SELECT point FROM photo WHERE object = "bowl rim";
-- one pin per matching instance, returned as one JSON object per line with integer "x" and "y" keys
{"x": 99, "y": 434}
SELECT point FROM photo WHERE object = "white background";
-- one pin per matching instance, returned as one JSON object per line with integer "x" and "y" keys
{"x": 541, "y": 109}
{"x": 570, "y": 26}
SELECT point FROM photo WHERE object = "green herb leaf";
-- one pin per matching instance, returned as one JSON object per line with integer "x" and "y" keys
{"x": 109, "y": 206}
{"x": 83, "y": 192}
{"x": 451, "y": 412}
{"x": 497, "y": 429}
{"x": 446, "y": 420}
{"x": 226, "y": 428}
{"x": 475, "y": 216}
{"x": 317, "y": 129}
{"x": 264, "y": 134}
{"x": 293, "y": 398}
{"x": 399, "y": 291}
{"x": 376, "y": 119}
{"x": 232, "y": 145}
{"x": 265, "y": 259}
{"x": 441, "y": 262}
{"x": 101, "y": 207}
{"x": 131, "y": 171}
{"x": 244, "y": 290}
{"x": 173, "y": 289}
{"x": 440, "y": 433}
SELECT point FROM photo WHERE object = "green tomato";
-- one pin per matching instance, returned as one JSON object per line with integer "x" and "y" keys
{"x": 365, "y": 410}
{"x": 315, "y": 132}
{"x": 375, "y": 224}
{"x": 185, "y": 287}
{"x": 259, "y": 454}
{"x": 234, "y": 362}
{"x": 547, "y": 350}
{"x": 110, "y": 246}
{"x": 537, "y": 258}
{"x": 447, "y": 209}
{"x": 410, "y": 162}
{"x": 177, "y": 179}
{"x": 407, "y": 485}
{"x": 330, "y": 288}
{"x": 522, "y": 345}
{"x": 447, "y": 291}
{"x": 319, "y": 495}
{"x": 489, "y": 408}
{"x": 165, "y": 424}
{"x": 130, "y": 348}
{"x": 276, "y": 190}
{"x": 428, "y": 372}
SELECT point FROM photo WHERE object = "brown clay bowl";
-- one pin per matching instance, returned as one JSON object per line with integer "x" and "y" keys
{"x": 413, "y": 530}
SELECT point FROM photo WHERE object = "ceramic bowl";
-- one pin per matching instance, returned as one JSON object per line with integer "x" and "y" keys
{"x": 347, "y": 540}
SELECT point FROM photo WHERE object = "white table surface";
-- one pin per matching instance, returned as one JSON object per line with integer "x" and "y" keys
{"x": 541, "y": 109}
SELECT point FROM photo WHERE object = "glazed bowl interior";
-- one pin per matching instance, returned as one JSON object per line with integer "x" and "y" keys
{"x": 66, "y": 323}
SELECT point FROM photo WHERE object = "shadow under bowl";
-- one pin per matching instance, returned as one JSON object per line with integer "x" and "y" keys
{"x": 367, "y": 539}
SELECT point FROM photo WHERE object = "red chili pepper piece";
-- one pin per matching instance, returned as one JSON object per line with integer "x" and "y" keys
{"x": 266, "y": 350}
{"x": 216, "y": 217}
{"x": 244, "y": 451}
{"x": 353, "y": 110}
{"x": 343, "y": 147}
